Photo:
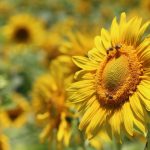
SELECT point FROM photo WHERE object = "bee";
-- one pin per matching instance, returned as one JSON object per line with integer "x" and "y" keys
{"x": 117, "y": 47}
{"x": 109, "y": 49}
{"x": 109, "y": 96}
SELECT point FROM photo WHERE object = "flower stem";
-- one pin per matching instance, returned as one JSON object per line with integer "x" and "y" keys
{"x": 147, "y": 146}
{"x": 116, "y": 145}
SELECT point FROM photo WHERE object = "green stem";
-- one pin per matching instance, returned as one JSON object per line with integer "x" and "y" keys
{"x": 147, "y": 146}
{"x": 116, "y": 145}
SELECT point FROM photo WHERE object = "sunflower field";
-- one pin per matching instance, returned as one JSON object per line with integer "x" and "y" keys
{"x": 74, "y": 75}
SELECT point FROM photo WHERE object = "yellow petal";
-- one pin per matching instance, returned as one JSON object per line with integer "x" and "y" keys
{"x": 43, "y": 116}
{"x": 122, "y": 20}
{"x": 96, "y": 123}
{"x": 89, "y": 115}
{"x": 85, "y": 63}
{"x": 86, "y": 104}
{"x": 140, "y": 125}
{"x": 99, "y": 45}
{"x": 83, "y": 74}
{"x": 46, "y": 132}
{"x": 81, "y": 95}
{"x": 142, "y": 47}
{"x": 81, "y": 84}
{"x": 106, "y": 44}
{"x": 137, "y": 106}
{"x": 115, "y": 32}
{"x": 132, "y": 30}
{"x": 95, "y": 55}
{"x": 127, "y": 118}
{"x": 142, "y": 30}
{"x": 67, "y": 138}
{"x": 106, "y": 35}
{"x": 145, "y": 57}
{"x": 144, "y": 91}
{"x": 144, "y": 100}
{"x": 116, "y": 123}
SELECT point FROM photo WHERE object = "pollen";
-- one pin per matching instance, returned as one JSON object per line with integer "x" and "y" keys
{"x": 118, "y": 76}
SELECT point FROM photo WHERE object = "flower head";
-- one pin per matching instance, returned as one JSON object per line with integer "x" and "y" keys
{"x": 112, "y": 88}
{"x": 16, "y": 114}
{"x": 24, "y": 29}
{"x": 49, "y": 98}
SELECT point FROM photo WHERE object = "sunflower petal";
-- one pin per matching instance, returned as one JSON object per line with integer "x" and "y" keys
{"x": 140, "y": 125}
{"x": 115, "y": 32}
{"x": 144, "y": 91}
{"x": 137, "y": 106}
{"x": 142, "y": 30}
{"x": 116, "y": 123}
{"x": 95, "y": 55}
{"x": 80, "y": 85}
{"x": 128, "y": 118}
{"x": 89, "y": 115}
{"x": 96, "y": 123}
{"x": 142, "y": 47}
{"x": 105, "y": 34}
{"x": 86, "y": 104}
{"x": 145, "y": 101}
{"x": 85, "y": 63}
{"x": 83, "y": 74}
{"x": 122, "y": 20}
{"x": 99, "y": 45}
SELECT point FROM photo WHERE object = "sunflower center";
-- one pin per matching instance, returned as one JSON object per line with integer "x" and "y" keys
{"x": 22, "y": 35}
{"x": 115, "y": 72}
{"x": 14, "y": 113}
{"x": 118, "y": 76}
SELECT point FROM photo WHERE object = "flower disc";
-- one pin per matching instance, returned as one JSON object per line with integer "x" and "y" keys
{"x": 118, "y": 76}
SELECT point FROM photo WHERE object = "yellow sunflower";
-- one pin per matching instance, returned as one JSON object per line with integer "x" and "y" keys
{"x": 24, "y": 29}
{"x": 112, "y": 89}
{"x": 15, "y": 115}
{"x": 49, "y": 98}
{"x": 4, "y": 143}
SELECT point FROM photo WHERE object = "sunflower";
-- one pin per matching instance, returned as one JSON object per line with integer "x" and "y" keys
{"x": 112, "y": 87}
{"x": 4, "y": 144}
{"x": 51, "y": 111}
{"x": 16, "y": 114}
{"x": 24, "y": 29}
